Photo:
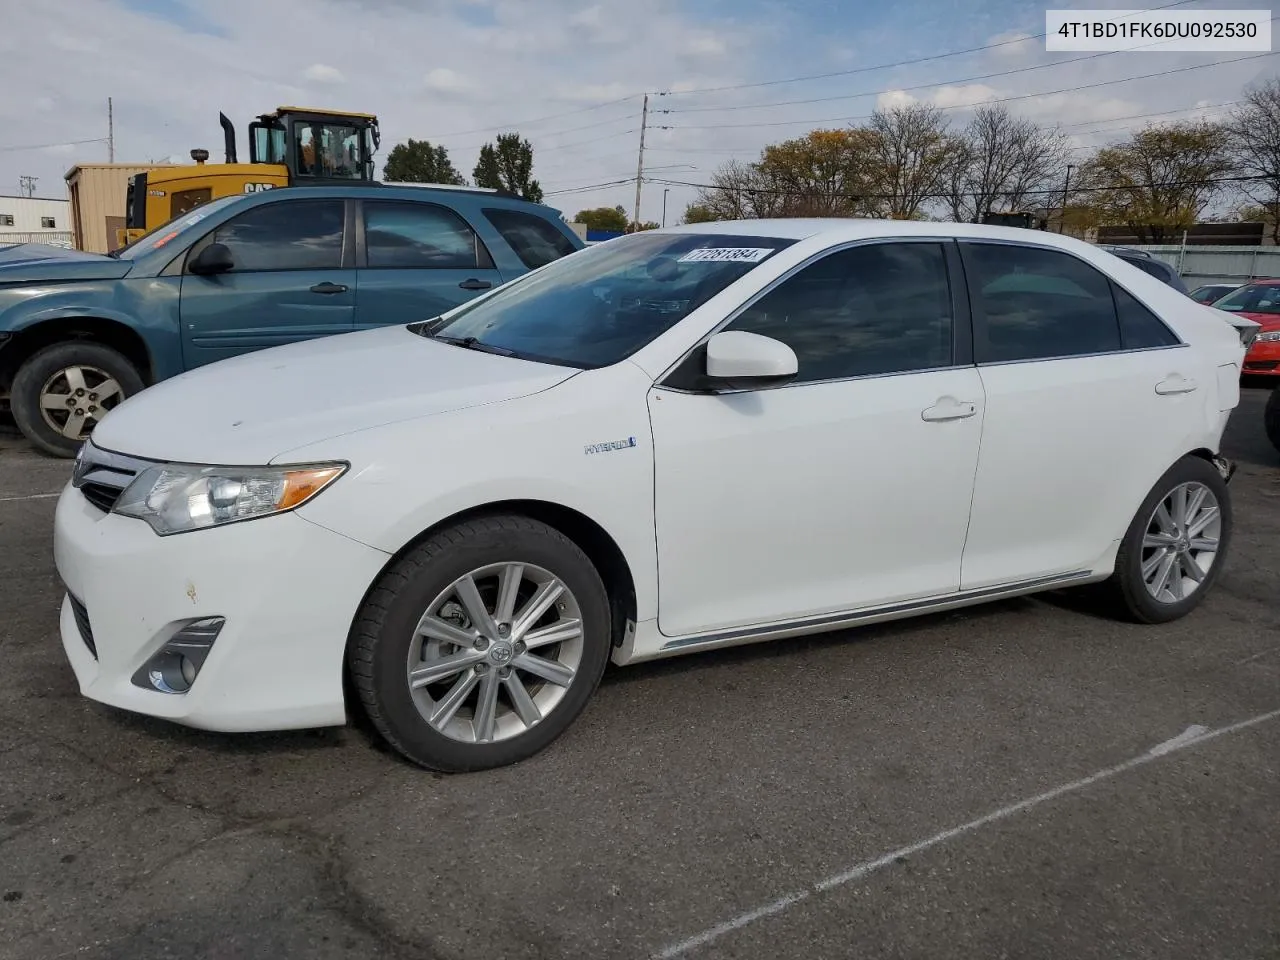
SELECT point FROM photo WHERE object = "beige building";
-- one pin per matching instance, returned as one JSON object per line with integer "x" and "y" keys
{"x": 34, "y": 220}
{"x": 97, "y": 192}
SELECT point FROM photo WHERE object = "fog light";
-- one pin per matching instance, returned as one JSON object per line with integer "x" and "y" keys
{"x": 176, "y": 665}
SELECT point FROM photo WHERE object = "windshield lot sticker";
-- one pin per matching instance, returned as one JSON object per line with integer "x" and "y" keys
{"x": 610, "y": 446}
{"x": 727, "y": 255}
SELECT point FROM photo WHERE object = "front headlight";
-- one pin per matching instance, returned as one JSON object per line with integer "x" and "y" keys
{"x": 1269, "y": 337}
{"x": 175, "y": 498}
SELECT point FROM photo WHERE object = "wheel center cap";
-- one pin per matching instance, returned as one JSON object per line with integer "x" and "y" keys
{"x": 501, "y": 652}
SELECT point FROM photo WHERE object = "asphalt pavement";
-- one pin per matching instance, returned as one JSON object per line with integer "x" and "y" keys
{"x": 1025, "y": 779}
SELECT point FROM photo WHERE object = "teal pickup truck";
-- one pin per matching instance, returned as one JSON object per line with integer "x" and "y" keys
{"x": 81, "y": 332}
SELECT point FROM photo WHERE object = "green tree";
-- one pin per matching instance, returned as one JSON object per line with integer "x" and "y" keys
{"x": 419, "y": 162}
{"x": 508, "y": 165}
{"x": 603, "y": 218}
{"x": 1160, "y": 180}
{"x": 699, "y": 213}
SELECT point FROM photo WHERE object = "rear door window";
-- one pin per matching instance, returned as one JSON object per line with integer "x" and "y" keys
{"x": 535, "y": 240}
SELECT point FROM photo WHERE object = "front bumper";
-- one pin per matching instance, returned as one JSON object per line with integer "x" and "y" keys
{"x": 288, "y": 589}
{"x": 1263, "y": 358}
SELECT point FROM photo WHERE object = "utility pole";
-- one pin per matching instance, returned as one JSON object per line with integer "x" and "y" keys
{"x": 111, "y": 133}
{"x": 664, "y": 205}
{"x": 27, "y": 185}
{"x": 1066, "y": 188}
{"x": 644, "y": 120}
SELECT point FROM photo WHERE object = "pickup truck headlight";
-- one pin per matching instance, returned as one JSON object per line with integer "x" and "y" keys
{"x": 176, "y": 498}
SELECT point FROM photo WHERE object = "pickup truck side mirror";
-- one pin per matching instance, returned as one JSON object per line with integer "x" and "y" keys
{"x": 215, "y": 258}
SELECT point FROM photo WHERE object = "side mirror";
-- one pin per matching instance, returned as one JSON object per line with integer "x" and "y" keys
{"x": 215, "y": 258}
{"x": 739, "y": 358}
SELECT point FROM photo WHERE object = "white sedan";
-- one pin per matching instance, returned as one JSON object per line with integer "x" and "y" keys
{"x": 675, "y": 441}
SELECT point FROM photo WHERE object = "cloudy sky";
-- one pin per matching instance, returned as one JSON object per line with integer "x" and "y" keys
{"x": 567, "y": 74}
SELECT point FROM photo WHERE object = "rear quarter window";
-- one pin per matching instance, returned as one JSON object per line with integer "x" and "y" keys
{"x": 535, "y": 240}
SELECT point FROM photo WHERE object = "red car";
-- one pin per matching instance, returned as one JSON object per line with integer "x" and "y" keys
{"x": 1259, "y": 301}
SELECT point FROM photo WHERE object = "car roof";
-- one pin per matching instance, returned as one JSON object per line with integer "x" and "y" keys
{"x": 838, "y": 229}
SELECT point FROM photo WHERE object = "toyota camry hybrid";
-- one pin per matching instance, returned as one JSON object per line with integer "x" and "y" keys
{"x": 671, "y": 442}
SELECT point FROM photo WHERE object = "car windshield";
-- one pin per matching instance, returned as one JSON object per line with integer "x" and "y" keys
{"x": 600, "y": 305}
{"x": 1252, "y": 298}
{"x": 168, "y": 232}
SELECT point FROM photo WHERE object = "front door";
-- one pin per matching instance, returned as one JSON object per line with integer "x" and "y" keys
{"x": 419, "y": 260}
{"x": 849, "y": 487}
{"x": 1089, "y": 401}
{"x": 289, "y": 282}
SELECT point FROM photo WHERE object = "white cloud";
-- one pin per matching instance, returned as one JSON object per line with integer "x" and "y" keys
{"x": 457, "y": 72}
{"x": 444, "y": 80}
{"x": 323, "y": 73}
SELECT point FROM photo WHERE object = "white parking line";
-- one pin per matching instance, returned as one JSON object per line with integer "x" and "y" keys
{"x": 30, "y": 496}
{"x": 1191, "y": 736}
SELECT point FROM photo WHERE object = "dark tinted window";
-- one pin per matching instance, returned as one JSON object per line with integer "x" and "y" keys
{"x": 1038, "y": 303}
{"x": 1139, "y": 327}
{"x": 877, "y": 308}
{"x": 418, "y": 235}
{"x": 536, "y": 241}
{"x": 298, "y": 235}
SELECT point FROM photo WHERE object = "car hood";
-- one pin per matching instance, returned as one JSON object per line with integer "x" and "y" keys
{"x": 254, "y": 408}
{"x": 42, "y": 263}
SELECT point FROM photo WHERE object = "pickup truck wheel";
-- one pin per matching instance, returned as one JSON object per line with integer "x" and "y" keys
{"x": 61, "y": 392}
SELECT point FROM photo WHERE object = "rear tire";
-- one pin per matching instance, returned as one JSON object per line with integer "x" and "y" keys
{"x": 423, "y": 655}
{"x": 1165, "y": 566}
{"x": 1271, "y": 418}
{"x": 92, "y": 377}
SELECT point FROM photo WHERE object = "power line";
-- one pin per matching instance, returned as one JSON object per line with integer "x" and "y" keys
{"x": 1064, "y": 127}
{"x": 977, "y": 103}
{"x": 46, "y": 146}
{"x": 553, "y": 116}
{"x": 589, "y": 186}
{"x": 897, "y": 63}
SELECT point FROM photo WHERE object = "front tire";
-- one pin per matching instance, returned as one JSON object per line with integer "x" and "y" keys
{"x": 1175, "y": 546}
{"x": 481, "y": 645}
{"x": 60, "y": 393}
{"x": 1271, "y": 418}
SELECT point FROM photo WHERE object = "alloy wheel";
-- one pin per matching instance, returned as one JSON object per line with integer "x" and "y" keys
{"x": 495, "y": 652}
{"x": 75, "y": 398}
{"x": 1181, "y": 542}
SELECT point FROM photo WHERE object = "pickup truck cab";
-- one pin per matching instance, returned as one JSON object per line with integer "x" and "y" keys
{"x": 79, "y": 332}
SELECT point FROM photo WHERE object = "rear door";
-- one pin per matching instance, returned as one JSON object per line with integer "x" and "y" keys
{"x": 293, "y": 279}
{"x": 416, "y": 261}
{"x": 1089, "y": 399}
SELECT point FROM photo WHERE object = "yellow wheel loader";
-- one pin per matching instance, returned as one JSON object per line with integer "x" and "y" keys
{"x": 291, "y": 147}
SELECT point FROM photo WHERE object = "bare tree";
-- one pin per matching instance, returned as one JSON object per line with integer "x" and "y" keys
{"x": 1002, "y": 160}
{"x": 911, "y": 154}
{"x": 740, "y": 191}
{"x": 1254, "y": 132}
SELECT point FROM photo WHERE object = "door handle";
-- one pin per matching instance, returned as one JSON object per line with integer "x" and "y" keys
{"x": 948, "y": 408}
{"x": 1175, "y": 384}
{"x": 328, "y": 287}
{"x": 474, "y": 284}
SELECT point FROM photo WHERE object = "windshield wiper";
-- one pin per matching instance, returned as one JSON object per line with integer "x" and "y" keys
{"x": 471, "y": 343}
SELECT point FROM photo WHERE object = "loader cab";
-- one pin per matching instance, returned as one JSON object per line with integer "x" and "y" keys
{"x": 316, "y": 146}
